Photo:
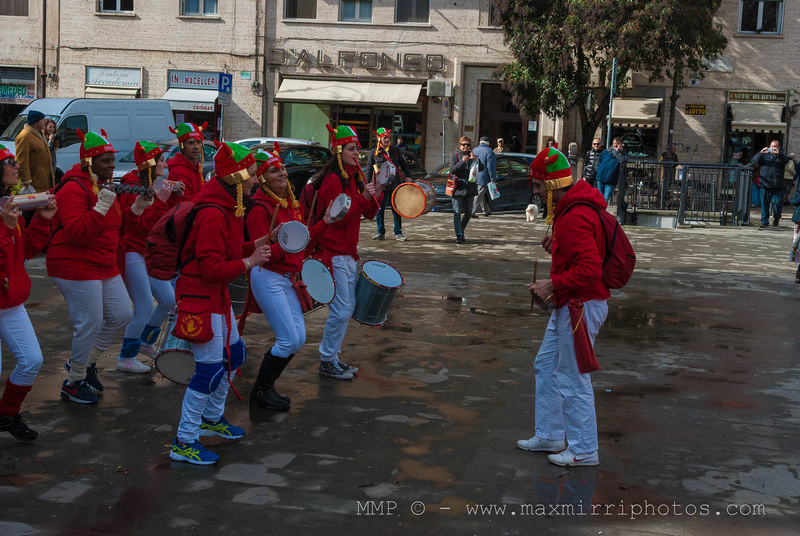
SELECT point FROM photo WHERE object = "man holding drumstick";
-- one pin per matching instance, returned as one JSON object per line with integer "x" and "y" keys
{"x": 565, "y": 414}
{"x": 386, "y": 152}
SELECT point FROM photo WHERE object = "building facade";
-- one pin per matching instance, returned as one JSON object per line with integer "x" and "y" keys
{"x": 424, "y": 68}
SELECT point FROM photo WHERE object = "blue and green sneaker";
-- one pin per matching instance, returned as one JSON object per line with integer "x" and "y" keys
{"x": 192, "y": 452}
{"x": 222, "y": 428}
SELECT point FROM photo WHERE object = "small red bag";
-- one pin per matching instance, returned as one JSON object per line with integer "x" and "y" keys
{"x": 193, "y": 323}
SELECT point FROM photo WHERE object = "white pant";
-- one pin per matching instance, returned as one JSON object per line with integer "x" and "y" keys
{"x": 345, "y": 271}
{"x": 17, "y": 332}
{"x": 211, "y": 406}
{"x": 281, "y": 306}
{"x": 564, "y": 396}
{"x": 99, "y": 310}
{"x": 142, "y": 288}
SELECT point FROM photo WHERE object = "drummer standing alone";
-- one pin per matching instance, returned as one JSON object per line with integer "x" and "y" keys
{"x": 383, "y": 153}
{"x": 338, "y": 247}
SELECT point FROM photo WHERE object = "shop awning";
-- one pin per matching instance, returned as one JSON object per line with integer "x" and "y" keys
{"x": 757, "y": 117}
{"x": 636, "y": 112}
{"x": 198, "y": 100}
{"x": 102, "y": 92}
{"x": 330, "y": 91}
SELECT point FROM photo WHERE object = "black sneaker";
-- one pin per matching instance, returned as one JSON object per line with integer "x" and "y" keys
{"x": 78, "y": 392}
{"x": 91, "y": 376}
{"x": 346, "y": 367}
{"x": 333, "y": 370}
{"x": 14, "y": 425}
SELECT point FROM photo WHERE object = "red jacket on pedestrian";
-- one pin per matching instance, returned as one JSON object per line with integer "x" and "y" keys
{"x": 84, "y": 242}
{"x": 578, "y": 240}
{"x": 258, "y": 224}
{"x": 188, "y": 172}
{"x": 16, "y": 246}
{"x": 217, "y": 244}
{"x": 341, "y": 238}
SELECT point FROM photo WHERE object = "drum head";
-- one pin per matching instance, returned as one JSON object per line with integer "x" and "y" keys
{"x": 293, "y": 237}
{"x": 176, "y": 365}
{"x": 318, "y": 280}
{"x": 340, "y": 206}
{"x": 382, "y": 274}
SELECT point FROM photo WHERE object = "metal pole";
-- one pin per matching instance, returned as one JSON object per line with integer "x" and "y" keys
{"x": 611, "y": 100}
{"x": 43, "y": 74}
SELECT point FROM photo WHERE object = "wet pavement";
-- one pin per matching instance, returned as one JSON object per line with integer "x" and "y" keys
{"x": 697, "y": 408}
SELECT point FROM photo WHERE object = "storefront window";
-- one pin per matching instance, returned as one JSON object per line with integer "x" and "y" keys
{"x": 306, "y": 121}
{"x": 639, "y": 142}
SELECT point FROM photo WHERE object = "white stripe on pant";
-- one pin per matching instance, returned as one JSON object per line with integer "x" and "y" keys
{"x": 142, "y": 289}
{"x": 211, "y": 406}
{"x": 99, "y": 310}
{"x": 17, "y": 332}
{"x": 279, "y": 302}
{"x": 345, "y": 271}
{"x": 564, "y": 396}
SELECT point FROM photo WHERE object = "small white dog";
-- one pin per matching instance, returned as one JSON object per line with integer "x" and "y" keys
{"x": 532, "y": 212}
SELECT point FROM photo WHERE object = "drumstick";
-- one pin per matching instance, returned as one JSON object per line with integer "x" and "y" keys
{"x": 535, "y": 269}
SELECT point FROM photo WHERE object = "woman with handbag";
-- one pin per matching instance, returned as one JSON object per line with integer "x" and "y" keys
{"x": 465, "y": 191}
{"x": 273, "y": 286}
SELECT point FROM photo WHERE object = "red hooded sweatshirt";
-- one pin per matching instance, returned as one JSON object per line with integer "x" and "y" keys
{"x": 133, "y": 234}
{"x": 189, "y": 173}
{"x": 217, "y": 243}
{"x": 258, "y": 223}
{"x": 341, "y": 238}
{"x": 578, "y": 240}
{"x": 84, "y": 242}
{"x": 17, "y": 245}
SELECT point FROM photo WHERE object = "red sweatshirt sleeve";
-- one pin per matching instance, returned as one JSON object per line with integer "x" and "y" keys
{"x": 78, "y": 217}
{"x": 36, "y": 236}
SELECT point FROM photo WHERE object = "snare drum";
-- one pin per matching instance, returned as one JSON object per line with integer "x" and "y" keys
{"x": 293, "y": 237}
{"x": 412, "y": 199}
{"x": 375, "y": 288}
{"x": 386, "y": 172}
{"x": 28, "y": 201}
{"x": 339, "y": 207}
{"x": 175, "y": 360}
{"x": 318, "y": 280}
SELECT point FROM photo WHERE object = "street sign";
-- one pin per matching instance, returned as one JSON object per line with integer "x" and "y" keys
{"x": 225, "y": 82}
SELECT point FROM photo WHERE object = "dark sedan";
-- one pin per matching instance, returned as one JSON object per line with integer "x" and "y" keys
{"x": 301, "y": 161}
{"x": 513, "y": 181}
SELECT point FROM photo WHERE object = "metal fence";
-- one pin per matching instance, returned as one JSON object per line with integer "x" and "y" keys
{"x": 694, "y": 192}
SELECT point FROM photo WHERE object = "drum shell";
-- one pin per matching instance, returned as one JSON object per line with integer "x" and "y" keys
{"x": 412, "y": 199}
{"x": 373, "y": 299}
{"x": 175, "y": 360}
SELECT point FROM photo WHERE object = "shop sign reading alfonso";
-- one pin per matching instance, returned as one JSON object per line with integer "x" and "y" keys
{"x": 352, "y": 58}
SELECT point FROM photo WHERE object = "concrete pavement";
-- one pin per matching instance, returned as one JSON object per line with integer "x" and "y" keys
{"x": 697, "y": 408}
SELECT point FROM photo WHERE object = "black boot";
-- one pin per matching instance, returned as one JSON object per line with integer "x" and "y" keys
{"x": 264, "y": 394}
{"x": 14, "y": 425}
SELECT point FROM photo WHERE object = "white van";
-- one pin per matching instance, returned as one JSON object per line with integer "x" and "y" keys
{"x": 126, "y": 121}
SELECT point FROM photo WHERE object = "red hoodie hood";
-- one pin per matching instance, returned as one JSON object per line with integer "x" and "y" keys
{"x": 214, "y": 192}
{"x": 583, "y": 192}
{"x": 181, "y": 161}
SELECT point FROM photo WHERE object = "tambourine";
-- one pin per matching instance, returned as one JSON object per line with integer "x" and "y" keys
{"x": 28, "y": 201}
{"x": 339, "y": 207}
{"x": 293, "y": 237}
{"x": 385, "y": 173}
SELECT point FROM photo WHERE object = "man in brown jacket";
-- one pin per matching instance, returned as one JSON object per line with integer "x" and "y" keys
{"x": 33, "y": 154}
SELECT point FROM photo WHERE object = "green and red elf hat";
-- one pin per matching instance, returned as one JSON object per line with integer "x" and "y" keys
{"x": 551, "y": 167}
{"x": 189, "y": 130}
{"x": 230, "y": 164}
{"x": 342, "y": 135}
{"x": 5, "y": 153}
{"x": 93, "y": 144}
{"x": 381, "y": 132}
{"x": 146, "y": 154}
{"x": 265, "y": 159}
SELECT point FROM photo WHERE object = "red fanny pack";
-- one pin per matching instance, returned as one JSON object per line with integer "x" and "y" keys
{"x": 193, "y": 323}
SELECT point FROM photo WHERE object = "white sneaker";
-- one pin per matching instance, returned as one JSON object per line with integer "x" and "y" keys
{"x": 570, "y": 459}
{"x": 132, "y": 365}
{"x": 537, "y": 444}
{"x": 148, "y": 350}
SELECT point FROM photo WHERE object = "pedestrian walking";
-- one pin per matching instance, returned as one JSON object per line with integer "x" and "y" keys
{"x": 465, "y": 191}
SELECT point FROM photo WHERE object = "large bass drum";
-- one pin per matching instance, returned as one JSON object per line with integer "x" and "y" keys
{"x": 412, "y": 199}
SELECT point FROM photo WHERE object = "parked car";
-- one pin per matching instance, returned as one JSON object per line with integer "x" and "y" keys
{"x": 513, "y": 181}
{"x": 301, "y": 160}
{"x": 170, "y": 146}
{"x": 249, "y": 142}
{"x": 413, "y": 161}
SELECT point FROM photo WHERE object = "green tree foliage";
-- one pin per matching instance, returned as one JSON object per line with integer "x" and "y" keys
{"x": 558, "y": 43}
